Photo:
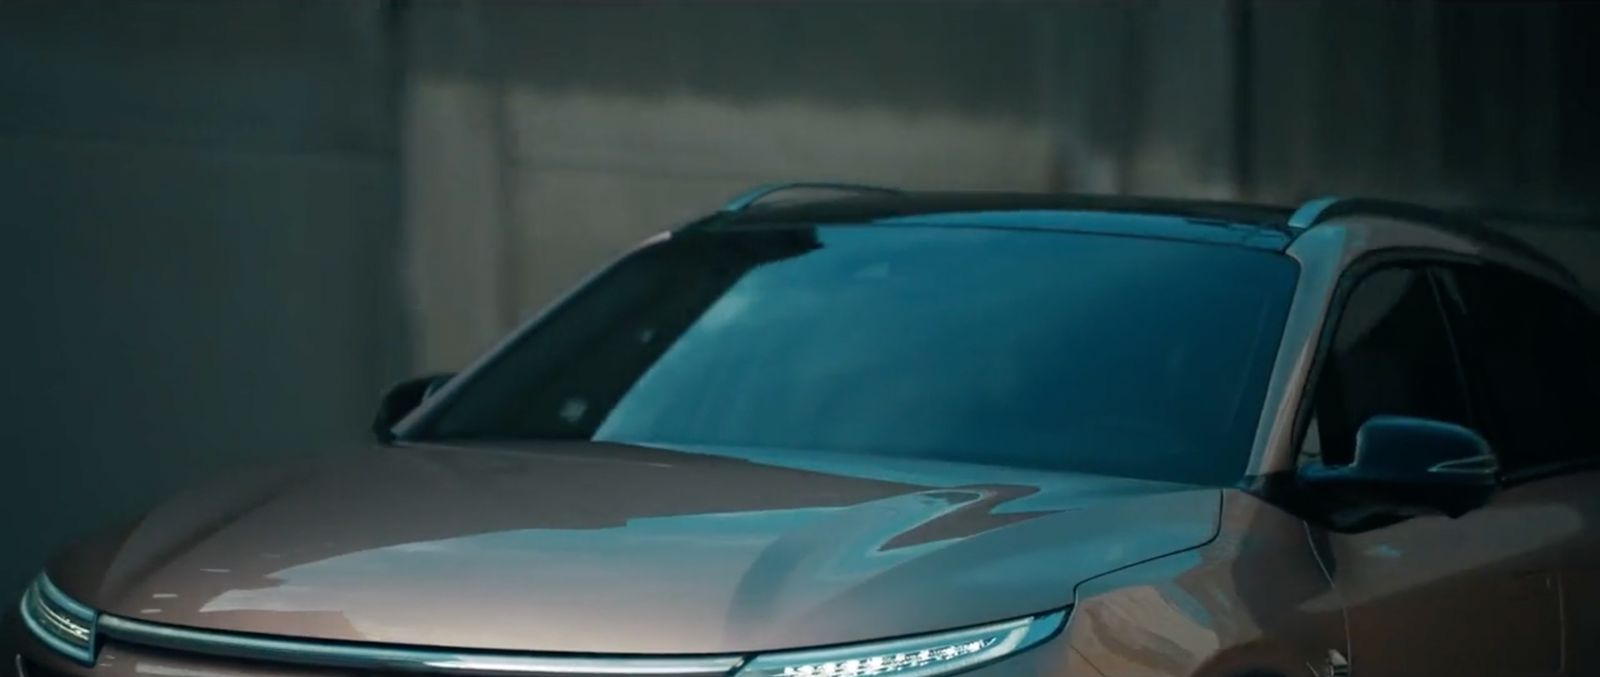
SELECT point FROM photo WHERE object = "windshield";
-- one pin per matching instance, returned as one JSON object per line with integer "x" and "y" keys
{"x": 1053, "y": 350}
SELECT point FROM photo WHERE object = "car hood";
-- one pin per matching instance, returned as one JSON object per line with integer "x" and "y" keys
{"x": 619, "y": 549}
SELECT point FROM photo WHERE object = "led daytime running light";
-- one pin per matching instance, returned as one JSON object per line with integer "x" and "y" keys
{"x": 877, "y": 665}
{"x": 914, "y": 657}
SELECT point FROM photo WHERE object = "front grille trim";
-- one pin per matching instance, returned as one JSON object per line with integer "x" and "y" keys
{"x": 381, "y": 657}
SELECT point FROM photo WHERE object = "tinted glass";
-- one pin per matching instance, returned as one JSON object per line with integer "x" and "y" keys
{"x": 1536, "y": 351}
{"x": 1103, "y": 354}
{"x": 1391, "y": 354}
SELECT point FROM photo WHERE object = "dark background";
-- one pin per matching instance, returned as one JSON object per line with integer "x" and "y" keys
{"x": 229, "y": 224}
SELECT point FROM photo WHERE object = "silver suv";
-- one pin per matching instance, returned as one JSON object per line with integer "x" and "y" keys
{"x": 908, "y": 435}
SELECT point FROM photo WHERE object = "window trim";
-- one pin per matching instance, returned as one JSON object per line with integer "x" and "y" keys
{"x": 1354, "y": 273}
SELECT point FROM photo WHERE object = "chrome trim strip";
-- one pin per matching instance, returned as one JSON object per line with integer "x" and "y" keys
{"x": 74, "y": 631}
{"x": 44, "y": 636}
{"x": 379, "y": 657}
{"x": 1476, "y": 465}
{"x": 21, "y": 671}
{"x": 49, "y": 614}
{"x": 54, "y": 594}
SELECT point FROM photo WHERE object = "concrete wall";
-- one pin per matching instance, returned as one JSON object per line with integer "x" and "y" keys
{"x": 228, "y": 224}
{"x": 199, "y": 250}
{"x": 555, "y": 136}
{"x": 589, "y": 126}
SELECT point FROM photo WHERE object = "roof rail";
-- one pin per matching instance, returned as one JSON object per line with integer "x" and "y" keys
{"x": 1323, "y": 209}
{"x": 761, "y": 192}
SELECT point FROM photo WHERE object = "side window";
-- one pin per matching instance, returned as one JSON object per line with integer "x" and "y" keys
{"x": 1391, "y": 353}
{"x": 1535, "y": 352}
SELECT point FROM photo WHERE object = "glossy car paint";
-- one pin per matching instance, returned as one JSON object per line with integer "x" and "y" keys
{"x": 628, "y": 550}
{"x": 1253, "y": 601}
{"x": 1429, "y": 580}
{"x": 1167, "y": 580}
{"x": 1252, "y": 598}
{"x": 1424, "y": 582}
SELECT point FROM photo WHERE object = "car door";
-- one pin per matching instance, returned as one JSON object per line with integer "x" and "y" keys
{"x": 1476, "y": 595}
{"x": 1534, "y": 350}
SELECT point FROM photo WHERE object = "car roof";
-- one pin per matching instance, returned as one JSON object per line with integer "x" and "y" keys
{"x": 1260, "y": 226}
{"x": 1243, "y": 224}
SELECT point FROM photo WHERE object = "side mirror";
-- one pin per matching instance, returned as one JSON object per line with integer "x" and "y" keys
{"x": 1410, "y": 466}
{"x": 402, "y": 399}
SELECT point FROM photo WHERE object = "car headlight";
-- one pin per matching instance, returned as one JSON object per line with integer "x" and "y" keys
{"x": 60, "y": 622}
{"x": 921, "y": 656}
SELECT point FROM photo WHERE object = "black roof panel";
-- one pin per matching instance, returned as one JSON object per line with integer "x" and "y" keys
{"x": 1200, "y": 220}
{"x": 873, "y": 206}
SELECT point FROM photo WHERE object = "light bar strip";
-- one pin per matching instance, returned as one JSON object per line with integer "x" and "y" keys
{"x": 920, "y": 656}
{"x": 352, "y": 655}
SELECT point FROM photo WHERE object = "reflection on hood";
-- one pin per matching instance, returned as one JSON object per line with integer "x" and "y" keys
{"x": 620, "y": 549}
